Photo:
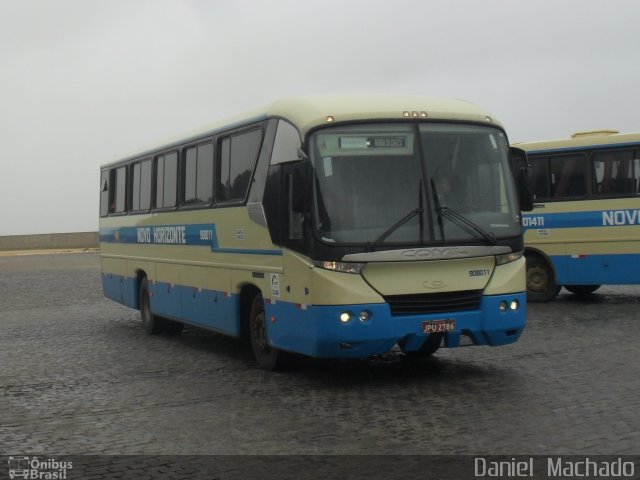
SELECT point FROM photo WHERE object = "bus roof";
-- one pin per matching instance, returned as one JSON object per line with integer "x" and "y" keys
{"x": 582, "y": 140}
{"x": 309, "y": 112}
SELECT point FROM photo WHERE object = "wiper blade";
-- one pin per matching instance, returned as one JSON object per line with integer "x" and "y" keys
{"x": 463, "y": 222}
{"x": 466, "y": 224}
{"x": 399, "y": 223}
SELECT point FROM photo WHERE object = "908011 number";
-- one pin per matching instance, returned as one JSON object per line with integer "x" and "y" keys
{"x": 479, "y": 273}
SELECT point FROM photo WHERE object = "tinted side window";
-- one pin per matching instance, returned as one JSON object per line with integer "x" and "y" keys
{"x": 540, "y": 178}
{"x": 145, "y": 185}
{"x": 238, "y": 155}
{"x": 141, "y": 186}
{"x": 222, "y": 174}
{"x": 198, "y": 186}
{"x": 166, "y": 180}
{"x": 204, "y": 179}
{"x": 119, "y": 190}
{"x": 287, "y": 142}
{"x": 615, "y": 173}
{"x": 104, "y": 193}
{"x": 568, "y": 176}
{"x": 190, "y": 172}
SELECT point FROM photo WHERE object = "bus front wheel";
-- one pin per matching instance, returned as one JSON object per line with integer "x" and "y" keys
{"x": 268, "y": 358}
{"x": 541, "y": 286}
{"x": 582, "y": 290}
{"x": 428, "y": 348}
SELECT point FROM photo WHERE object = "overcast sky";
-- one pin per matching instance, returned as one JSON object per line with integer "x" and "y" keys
{"x": 85, "y": 81}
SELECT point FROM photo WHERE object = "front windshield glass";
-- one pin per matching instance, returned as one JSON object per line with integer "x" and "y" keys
{"x": 370, "y": 177}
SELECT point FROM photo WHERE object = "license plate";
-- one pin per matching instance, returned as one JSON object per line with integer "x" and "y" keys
{"x": 439, "y": 326}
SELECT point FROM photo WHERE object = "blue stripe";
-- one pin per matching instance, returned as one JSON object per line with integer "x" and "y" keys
{"x": 187, "y": 235}
{"x": 596, "y": 218}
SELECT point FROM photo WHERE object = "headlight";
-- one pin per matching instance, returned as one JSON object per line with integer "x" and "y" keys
{"x": 508, "y": 257}
{"x": 346, "y": 316}
{"x": 344, "y": 267}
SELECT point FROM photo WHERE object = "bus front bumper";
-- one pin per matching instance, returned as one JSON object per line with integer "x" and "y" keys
{"x": 318, "y": 331}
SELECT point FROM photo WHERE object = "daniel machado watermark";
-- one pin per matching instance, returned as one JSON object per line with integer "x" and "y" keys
{"x": 554, "y": 467}
{"x": 38, "y": 468}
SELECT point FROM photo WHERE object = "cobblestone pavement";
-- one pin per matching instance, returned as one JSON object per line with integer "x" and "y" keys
{"x": 78, "y": 376}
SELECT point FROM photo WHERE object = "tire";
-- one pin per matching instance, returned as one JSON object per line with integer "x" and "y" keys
{"x": 171, "y": 327}
{"x": 428, "y": 348}
{"x": 152, "y": 324}
{"x": 582, "y": 291}
{"x": 541, "y": 285}
{"x": 268, "y": 358}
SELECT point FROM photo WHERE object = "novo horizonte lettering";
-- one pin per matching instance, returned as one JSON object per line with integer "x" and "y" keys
{"x": 172, "y": 235}
{"x": 621, "y": 217}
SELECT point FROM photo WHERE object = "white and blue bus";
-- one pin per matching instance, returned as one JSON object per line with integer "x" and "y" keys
{"x": 337, "y": 226}
{"x": 584, "y": 230}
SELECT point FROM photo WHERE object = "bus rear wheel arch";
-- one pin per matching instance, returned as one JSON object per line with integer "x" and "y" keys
{"x": 152, "y": 323}
{"x": 582, "y": 291}
{"x": 541, "y": 284}
{"x": 268, "y": 357}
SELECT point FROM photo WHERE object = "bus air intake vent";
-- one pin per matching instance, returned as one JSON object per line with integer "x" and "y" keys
{"x": 423, "y": 303}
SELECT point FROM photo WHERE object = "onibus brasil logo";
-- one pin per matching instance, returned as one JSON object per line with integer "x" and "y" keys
{"x": 37, "y": 469}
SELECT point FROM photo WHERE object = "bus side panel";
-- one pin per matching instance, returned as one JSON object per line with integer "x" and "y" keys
{"x": 590, "y": 242}
{"x": 113, "y": 272}
{"x": 130, "y": 291}
{"x": 165, "y": 291}
{"x": 111, "y": 286}
{"x": 215, "y": 308}
{"x": 210, "y": 309}
{"x": 612, "y": 269}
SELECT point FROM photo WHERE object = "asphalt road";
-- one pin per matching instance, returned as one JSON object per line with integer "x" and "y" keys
{"x": 78, "y": 376}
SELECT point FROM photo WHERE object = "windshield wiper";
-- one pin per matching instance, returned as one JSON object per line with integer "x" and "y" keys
{"x": 402, "y": 221}
{"x": 463, "y": 222}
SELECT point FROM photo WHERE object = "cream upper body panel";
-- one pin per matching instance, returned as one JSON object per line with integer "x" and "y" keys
{"x": 309, "y": 112}
{"x": 581, "y": 140}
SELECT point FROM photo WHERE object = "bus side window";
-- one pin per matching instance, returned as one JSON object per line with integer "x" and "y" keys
{"x": 238, "y": 156}
{"x": 286, "y": 144}
{"x": 118, "y": 190}
{"x": 568, "y": 176}
{"x": 104, "y": 193}
{"x": 614, "y": 173}
{"x": 636, "y": 172}
{"x": 166, "y": 180}
{"x": 540, "y": 180}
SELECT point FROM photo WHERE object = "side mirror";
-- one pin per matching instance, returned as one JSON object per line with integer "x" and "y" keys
{"x": 522, "y": 173}
{"x": 295, "y": 181}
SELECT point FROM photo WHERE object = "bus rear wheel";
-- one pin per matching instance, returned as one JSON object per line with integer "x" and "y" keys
{"x": 582, "y": 290}
{"x": 268, "y": 358}
{"x": 541, "y": 286}
{"x": 152, "y": 323}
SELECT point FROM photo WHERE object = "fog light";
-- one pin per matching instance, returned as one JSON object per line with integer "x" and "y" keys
{"x": 363, "y": 316}
{"x": 502, "y": 306}
{"x": 346, "y": 316}
{"x": 514, "y": 305}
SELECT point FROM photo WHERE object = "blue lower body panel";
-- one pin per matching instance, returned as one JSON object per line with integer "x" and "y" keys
{"x": 200, "y": 307}
{"x": 318, "y": 332}
{"x": 618, "y": 269}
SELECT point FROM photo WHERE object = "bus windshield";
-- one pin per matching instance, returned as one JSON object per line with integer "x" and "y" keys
{"x": 388, "y": 183}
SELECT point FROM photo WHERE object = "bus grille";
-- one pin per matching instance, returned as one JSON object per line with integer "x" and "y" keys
{"x": 422, "y": 303}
